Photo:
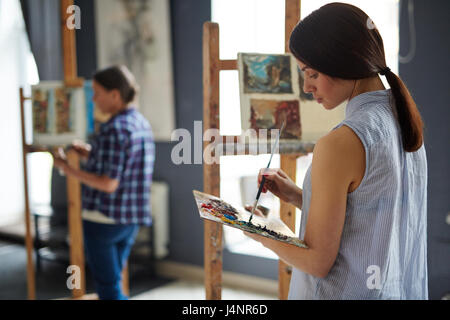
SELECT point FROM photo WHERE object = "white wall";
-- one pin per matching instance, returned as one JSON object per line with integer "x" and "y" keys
{"x": 14, "y": 63}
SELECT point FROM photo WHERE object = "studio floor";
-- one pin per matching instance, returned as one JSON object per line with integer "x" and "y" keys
{"x": 51, "y": 281}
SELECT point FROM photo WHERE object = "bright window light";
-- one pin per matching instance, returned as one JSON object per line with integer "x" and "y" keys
{"x": 18, "y": 69}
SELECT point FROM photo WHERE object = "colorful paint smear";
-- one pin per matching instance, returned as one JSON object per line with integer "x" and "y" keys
{"x": 215, "y": 209}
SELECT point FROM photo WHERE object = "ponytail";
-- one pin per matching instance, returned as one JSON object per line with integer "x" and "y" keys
{"x": 408, "y": 116}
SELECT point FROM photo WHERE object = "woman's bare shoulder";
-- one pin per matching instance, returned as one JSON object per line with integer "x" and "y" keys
{"x": 345, "y": 150}
{"x": 342, "y": 138}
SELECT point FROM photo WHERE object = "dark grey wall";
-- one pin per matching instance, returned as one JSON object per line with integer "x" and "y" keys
{"x": 426, "y": 76}
{"x": 186, "y": 237}
{"x": 86, "y": 40}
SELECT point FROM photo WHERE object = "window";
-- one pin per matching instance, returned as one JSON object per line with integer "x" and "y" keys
{"x": 258, "y": 26}
{"x": 18, "y": 70}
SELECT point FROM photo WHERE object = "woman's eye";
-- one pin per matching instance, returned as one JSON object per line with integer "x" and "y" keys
{"x": 314, "y": 76}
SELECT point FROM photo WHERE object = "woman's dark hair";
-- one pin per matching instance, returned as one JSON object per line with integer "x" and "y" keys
{"x": 120, "y": 78}
{"x": 341, "y": 41}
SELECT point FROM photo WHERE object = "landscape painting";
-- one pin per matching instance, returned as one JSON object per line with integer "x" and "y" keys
{"x": 215, "y": 209}
{"x": 270, "y": 114}
{"x": 269, "y": 93}
{"x": 267, "y": 73}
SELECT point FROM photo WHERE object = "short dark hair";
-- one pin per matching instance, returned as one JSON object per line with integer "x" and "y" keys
{"x": 340, "y": 40}
{"x": 120, "y": 78}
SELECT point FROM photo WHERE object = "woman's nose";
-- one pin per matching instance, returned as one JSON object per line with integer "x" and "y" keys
{"x": 307, "y": 87}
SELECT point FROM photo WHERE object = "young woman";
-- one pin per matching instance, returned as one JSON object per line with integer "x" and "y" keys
{"x": 364, "y": 197}
{"x": 116, "y": 180}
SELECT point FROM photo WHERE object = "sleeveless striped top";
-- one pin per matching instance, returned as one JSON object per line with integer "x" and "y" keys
{"x": 383, "y": 249}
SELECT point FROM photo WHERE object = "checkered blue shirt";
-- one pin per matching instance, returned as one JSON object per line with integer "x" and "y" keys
{"x": 123, "y": 150}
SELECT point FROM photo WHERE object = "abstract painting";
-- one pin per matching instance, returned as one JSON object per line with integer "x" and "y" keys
{"x": 215, "y": 209}
{"x": 270, "y": 114}
{"x": 269, "y": 93}
{"x": 136, "y": 33}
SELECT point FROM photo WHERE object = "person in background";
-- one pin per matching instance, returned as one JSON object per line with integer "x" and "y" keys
{"x": 364, "y": 197}
{"x": 116, "y": 179}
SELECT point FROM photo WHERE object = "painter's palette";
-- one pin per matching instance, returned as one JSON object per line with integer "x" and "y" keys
{"x": 215, "y": 209}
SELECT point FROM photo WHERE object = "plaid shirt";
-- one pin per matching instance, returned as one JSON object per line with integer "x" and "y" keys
{"x": 123, "y": 150}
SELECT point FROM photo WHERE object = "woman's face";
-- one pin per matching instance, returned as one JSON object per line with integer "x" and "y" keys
{"x": 105, "y": 100}
{"x": 328, "y": 91}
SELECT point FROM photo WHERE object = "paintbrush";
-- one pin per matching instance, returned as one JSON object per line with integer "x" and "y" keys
{"x": 263, "y": 180}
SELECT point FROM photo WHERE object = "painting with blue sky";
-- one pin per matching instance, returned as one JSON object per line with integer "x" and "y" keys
{"x": 264, "y": 73}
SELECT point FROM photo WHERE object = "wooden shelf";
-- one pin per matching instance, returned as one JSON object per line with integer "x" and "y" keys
{"x": 286, "y": 147}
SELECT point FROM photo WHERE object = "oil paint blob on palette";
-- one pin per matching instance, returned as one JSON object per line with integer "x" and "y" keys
{"x": 215, "y": 209}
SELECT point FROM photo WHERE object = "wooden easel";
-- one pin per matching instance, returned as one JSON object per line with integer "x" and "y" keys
{"x": 212, "y": 65}
{"x": 73, "y": 185}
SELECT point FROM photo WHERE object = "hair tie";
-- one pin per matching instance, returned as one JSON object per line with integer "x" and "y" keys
{"x": 384, "y": 71}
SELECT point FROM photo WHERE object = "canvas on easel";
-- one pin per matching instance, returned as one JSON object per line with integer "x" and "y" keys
{"x": 59, "y": 114}
{"x": 269, "y": 93}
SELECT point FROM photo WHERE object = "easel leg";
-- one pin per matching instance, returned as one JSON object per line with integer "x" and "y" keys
{"x": 75, "y": 224}
{"x": 213, "y": 260}
{"x": 211, "y": 172}
{"x": 28, "y": 237}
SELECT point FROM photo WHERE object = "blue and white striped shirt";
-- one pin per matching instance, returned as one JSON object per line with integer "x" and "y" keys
{"x": 383, "y": 249}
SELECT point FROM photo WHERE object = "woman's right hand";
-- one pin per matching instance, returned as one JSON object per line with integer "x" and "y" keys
{"x": 278, "y": 182}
